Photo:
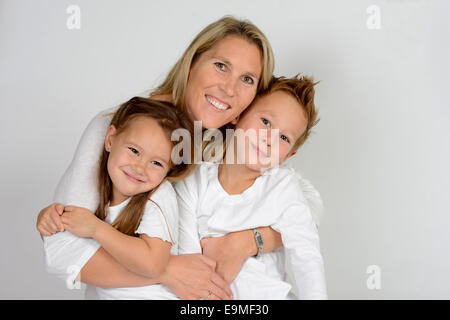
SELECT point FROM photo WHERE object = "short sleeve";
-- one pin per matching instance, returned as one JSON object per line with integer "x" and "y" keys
{"x": 66, "y": 254}
{"x": 154, "y": 224}
{"x": 160, "y": 219}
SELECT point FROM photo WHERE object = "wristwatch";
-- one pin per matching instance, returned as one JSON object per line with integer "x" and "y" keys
{"x": 259, "y": 242}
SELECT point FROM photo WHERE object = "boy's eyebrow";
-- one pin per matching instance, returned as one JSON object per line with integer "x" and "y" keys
{"x": 230, "y": 64}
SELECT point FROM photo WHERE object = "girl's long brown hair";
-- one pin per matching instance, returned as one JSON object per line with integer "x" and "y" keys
{"x": 169, "y": 118}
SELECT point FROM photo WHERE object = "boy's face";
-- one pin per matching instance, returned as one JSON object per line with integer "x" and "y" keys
{"x": 275, "y": 111}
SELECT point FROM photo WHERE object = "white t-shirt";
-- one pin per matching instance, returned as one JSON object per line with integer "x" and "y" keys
{"x": 155, "y": 224}
{"x": 65, "y": 252}
{"x": 275, "y": 199}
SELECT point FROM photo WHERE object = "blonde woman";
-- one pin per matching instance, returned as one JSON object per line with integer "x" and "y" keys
{"x": 217, "y": 77}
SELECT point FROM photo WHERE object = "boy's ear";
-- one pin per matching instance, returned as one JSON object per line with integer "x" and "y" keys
{"x": 290, "y": 155}
{"x": 109, "y": 137}
{"x": 235, "y": 120}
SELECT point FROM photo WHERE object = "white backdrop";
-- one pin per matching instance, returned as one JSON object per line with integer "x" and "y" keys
{"x": 379, "y": 156}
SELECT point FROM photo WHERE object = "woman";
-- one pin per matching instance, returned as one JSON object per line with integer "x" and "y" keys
{"x": 217, "y": 77}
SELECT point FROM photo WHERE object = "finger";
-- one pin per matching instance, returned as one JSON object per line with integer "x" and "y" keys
{"x": 65, "y": 222}
{"x": 51, "y": 227}
{"x": 56, "y": 219}
{"x": 220, "y": 287}
{"x": 67, "y": 227}
{"x": 59, "y": 208}
{"x": 214, "y": 297}
{"x": 204, "y": 295}
{"x": 44, "y": 232}
{"x": 69, "y": 208}
{"x": 210, "y": 262}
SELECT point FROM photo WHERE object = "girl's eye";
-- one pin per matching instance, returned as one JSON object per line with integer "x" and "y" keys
{"x": 221, "y": 66}
{"x": 266, "y": 122}
{"x": 156, "y": 163}
{"x": 283, "y": 137}
{"x": 248, "y": 80}
{"x": 133, "y": 150}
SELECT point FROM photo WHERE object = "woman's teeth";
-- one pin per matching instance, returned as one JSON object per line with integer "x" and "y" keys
{"x": 216, "y": 103}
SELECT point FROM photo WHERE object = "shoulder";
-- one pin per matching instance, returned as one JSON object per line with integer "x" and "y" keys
{"x": 164, "y": 199}
{"x": 281, "y": 178}
{"x": 199, "y": 177}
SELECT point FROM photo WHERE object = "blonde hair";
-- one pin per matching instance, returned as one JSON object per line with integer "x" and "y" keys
{"x": 176, "y": 81}
{"x": 302, "y": 89}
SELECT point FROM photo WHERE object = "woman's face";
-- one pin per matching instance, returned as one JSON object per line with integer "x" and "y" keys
{"x": 223, "y": 81}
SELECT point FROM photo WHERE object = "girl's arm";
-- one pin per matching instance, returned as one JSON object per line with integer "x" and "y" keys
{"x": 146, "y": 256}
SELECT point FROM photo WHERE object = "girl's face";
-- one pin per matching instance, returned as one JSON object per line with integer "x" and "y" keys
{"x": 223, "y": 81}
{"x": 277, "y": 110}
{"x": 139, "y": 157}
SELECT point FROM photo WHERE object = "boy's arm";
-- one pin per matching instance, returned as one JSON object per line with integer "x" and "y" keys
{"x": 301, "y": 243}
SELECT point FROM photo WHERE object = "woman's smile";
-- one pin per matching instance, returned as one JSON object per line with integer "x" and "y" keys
{"x": 219, "y": 105}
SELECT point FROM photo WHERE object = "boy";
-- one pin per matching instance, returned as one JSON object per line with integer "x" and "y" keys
{"x": 250, "y": 189}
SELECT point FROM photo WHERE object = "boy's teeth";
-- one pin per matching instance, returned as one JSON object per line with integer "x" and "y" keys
{"x": 216, "y": 104}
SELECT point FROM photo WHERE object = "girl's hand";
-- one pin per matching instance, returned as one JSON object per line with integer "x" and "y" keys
{"x": 80, "y": 221}
{"x": 192, "y": 277}
{"x": 49, "y": 220}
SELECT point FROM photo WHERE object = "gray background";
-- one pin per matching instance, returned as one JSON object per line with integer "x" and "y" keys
{"x": 379, "y": 156}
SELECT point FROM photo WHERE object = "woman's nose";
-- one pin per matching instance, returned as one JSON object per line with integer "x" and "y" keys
{"x": 229, "y": 86}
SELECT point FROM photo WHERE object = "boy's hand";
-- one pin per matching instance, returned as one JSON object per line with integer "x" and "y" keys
{"x": 80, "y": 221}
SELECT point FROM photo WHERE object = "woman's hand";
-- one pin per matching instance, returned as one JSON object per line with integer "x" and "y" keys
{"x": 231, "y": 250}
{"x": 49, "y": 220}
{"x": 80, "y": 221}
{"x": 192, "y": 277}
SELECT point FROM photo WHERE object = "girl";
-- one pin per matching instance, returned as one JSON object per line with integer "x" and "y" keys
{"x": 129, "y": 224}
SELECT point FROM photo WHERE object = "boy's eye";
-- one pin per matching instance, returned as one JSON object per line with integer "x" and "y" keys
{"x": 248, "y": 80}
{"x": 265, "y": 121}
{"x": 133, "y": 150}
{"x": 221, "y": 66}
{"x": 283, "y": 137}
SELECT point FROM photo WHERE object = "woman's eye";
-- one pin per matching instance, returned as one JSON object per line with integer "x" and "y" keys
{"x": 133, "y": 150}
{"x": 283, "y": 137}
{"x": 265, "y": 121}
{"x": 221, "y": 66}
{"x": 248, "y": 80}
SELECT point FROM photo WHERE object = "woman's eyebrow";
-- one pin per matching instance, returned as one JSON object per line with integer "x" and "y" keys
{"x": 227, "y": 62}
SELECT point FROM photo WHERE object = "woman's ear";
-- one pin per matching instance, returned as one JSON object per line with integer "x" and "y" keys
{"x": 110, "y": 135}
